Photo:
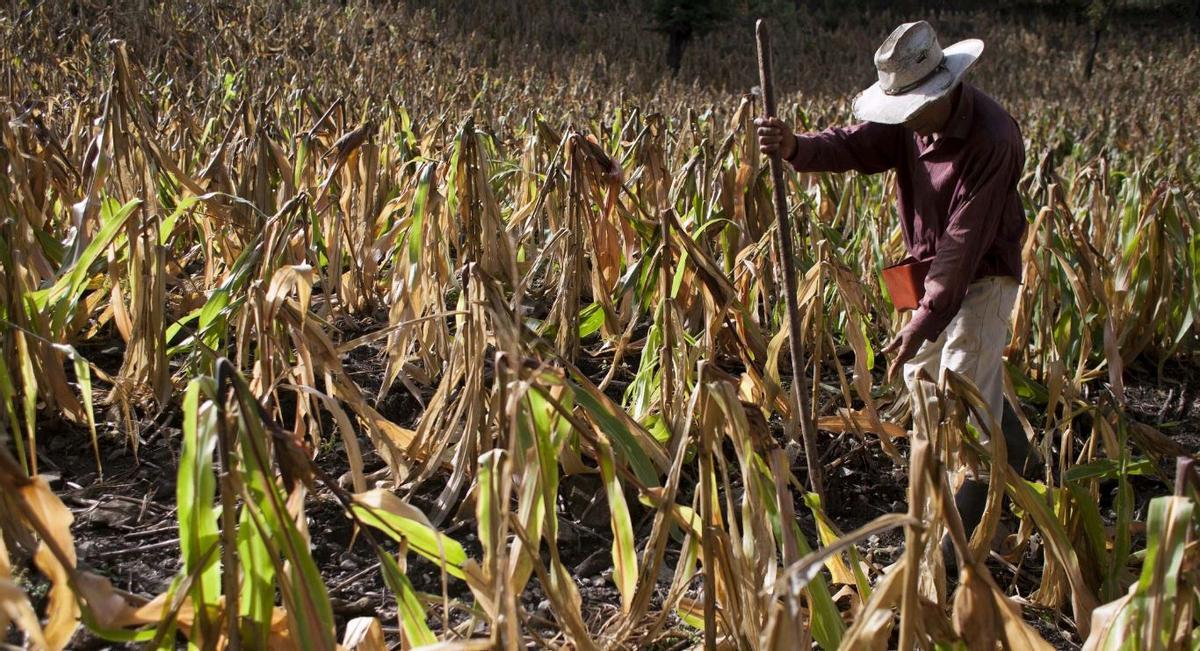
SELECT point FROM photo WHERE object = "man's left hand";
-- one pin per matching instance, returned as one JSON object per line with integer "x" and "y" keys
{"x": 905, "y": 346}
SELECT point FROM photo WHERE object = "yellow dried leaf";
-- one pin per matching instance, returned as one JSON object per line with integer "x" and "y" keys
{"x": 15, "y": 607}
{"x": 54, "y": 520}
{"x": 1017, "y": 633}
{"x": 873, "y": 626}
{"x": 364, "y": 634}
{"x": 14, "y": 604}
{"x": 974, "y": 613}
{"x": 401, "y": 437}
{"x": 112, "y": 610}
{"x": 848, "y": 421}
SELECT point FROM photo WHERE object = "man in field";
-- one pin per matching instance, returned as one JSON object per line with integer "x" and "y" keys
{"x": 958, "y": 156}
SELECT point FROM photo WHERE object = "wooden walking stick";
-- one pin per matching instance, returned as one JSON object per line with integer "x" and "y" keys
{"x": 786, "y": 253}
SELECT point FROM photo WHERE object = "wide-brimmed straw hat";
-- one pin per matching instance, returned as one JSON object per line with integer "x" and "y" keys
{"x": 914, "y": 71}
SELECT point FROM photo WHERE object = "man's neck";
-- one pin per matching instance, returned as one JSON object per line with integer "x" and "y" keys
{"x": 951, "y": 111}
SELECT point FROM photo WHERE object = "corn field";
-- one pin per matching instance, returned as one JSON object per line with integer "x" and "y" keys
{"x": 506, "y": 321}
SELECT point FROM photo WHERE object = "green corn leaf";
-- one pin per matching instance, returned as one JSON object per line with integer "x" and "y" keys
{"x": 402, "y": 522}
{"x": 591, "y": 318}
{"x": 1157, "y": 590}
{"x": 630, "y": 449}
{"x": 63, "y": 297}
{"x": 195, "y": 491}
{"x": 409, "y": 609}
{"x": 1108, "y": 469}
{"x": 625, "y": 565}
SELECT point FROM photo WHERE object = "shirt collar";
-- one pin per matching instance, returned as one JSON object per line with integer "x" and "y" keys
{"x": 958, "y": 128}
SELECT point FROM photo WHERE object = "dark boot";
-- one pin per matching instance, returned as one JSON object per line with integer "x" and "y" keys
{"x": 1015, "y": 441}
{"x": 970, "y": 500}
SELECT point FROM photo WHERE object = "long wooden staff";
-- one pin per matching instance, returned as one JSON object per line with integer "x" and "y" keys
{"x": 786, "y": 252}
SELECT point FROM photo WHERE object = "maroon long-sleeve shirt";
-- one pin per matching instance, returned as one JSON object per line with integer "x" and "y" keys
{"x": 956, "y": 194}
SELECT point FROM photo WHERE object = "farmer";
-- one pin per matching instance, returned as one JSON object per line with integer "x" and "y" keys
{"x": 957, "y": 155}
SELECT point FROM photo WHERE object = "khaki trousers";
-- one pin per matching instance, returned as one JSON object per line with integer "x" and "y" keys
{"x": 973, "y": 344}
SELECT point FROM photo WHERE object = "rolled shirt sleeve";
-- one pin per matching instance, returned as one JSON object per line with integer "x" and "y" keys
{"x": 977, "y": 209}
{"x": 867, "y": 147}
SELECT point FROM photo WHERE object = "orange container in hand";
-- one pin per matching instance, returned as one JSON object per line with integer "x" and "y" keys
{"x": 905, "y": 282}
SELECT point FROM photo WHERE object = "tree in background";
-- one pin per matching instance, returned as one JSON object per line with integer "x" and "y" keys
{"x": 1097, "y": 14}
{"x": 683, "y": 20}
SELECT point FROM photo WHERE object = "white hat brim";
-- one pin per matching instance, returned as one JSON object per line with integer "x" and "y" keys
{"x": 874, "y": 105}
